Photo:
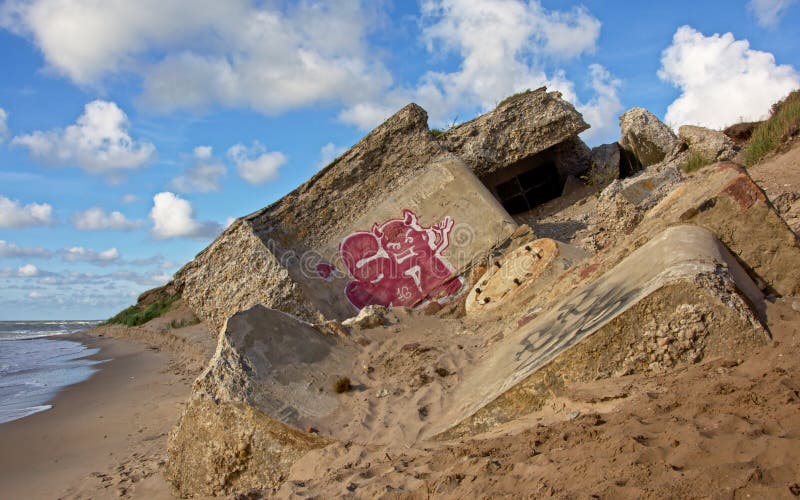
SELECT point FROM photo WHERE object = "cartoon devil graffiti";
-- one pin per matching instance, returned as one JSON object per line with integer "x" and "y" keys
{"x": 399, "y": 263}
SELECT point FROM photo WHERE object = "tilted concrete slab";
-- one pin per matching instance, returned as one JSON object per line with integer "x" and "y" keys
{"x": 527, "y": 270}
{"x": 683, "y": 254}
{"x": 271, "y": 377}
{"x": 412, "y": 247}
{"x": 522, "y": 125}
{"x": 278, "y": 364}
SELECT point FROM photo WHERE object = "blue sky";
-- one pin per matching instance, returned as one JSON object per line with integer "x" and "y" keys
{"x": 132, "y": 132}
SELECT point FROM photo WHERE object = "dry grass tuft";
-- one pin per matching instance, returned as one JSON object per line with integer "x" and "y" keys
{"x": 341, "y": 385}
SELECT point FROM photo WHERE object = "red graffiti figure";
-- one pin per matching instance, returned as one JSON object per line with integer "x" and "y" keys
{"x": 399, "y": 263}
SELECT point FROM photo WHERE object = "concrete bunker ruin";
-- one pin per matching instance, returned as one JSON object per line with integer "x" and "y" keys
{"x": 455, "y": 191}
{"x": 402, "y": 192}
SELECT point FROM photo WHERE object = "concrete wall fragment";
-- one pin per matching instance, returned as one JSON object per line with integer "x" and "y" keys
{"x": 523, "y": 125}
{"x": 687, "y": 257}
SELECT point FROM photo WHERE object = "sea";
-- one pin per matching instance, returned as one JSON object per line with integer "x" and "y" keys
{"x": 35, "y": 364}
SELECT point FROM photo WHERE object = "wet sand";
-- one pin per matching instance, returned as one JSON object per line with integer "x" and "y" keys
{"x": 104, "y": 437}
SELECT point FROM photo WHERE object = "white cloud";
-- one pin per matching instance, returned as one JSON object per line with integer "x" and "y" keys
{"x": 81, "y": 254}
{"x": 129, "y": 198}
{"x": 14, "y": 214}
{"x": 173, "y": 217}
{"x": 278, "y": 56}
{"x": 602, "y": 111}
{"x": 13, "y": 250}
{"x": 98, "y": 142}
{"x": 28, "y": 271}
{"x": 3, "y": 124}
{"x": 203, "y": 176}
{"x": 36, "y": 295}
{"x": 97, "y": 219}
{"x": 68, "y": 254}
{"x": 203, "y": 152}
{"x": 768, "y": 12}
{"x": 255, "y": 164}
{"x": 722, "y": 80}
{"x": 328, "y": 153}
{"x": 269, "y": 56}
{"x": 503, "y": 48}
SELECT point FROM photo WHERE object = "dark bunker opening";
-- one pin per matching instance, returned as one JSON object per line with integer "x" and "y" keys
{"x": 526, "y": 183}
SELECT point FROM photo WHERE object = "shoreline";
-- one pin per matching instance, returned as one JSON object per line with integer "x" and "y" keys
{"x": 104, "y": 436}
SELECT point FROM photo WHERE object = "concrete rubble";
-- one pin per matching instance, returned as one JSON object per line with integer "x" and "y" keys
{"x": 422, "y": 236}
{"x": 645, "y": 136}
{"x": 710, "y": 145}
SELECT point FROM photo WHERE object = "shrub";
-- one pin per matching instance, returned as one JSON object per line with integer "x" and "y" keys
{"x": 783, "y": 123}
{"x": 437, "y": 132}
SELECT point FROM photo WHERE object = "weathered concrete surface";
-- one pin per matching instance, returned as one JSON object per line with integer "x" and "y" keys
{"x": 644, "y": 135}
{"x": 711, "y": 145}
{"x": 222, "y": 448}
{"x": 521, "y": 126}
{"x": 272, "y": 376}
{"x": 605, "y": 164}
{"x": 257, "y": 260}
{"x": 465, "y": 222}
{"x": 721, "y": 198}
{"x": 236, "y": 272}
{"x": 533, "y": 266}
{"x": 686, "y": 264}
{"x": 724, "y": 199}
{"x": 269, "y": 256}
{"x": 623, "y": 203}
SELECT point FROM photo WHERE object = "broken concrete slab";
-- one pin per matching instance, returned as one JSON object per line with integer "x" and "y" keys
{"x": 710, "y": 145}
{"x": 236, "y": 272}
{"x": 724, "y": 199}
{"x": 523, "y": 125}
{"x": 644, "y": 135}
{"x": 257, "y": 260}
{"x": 413, "y": 246}
{"x": 623, "y": 203}
{"x": 531, "y": 267}
{"x": 686, "y": 264}
{"x": 721, "y": 198}
{"x": 219, "y": 449}
{"x": 605, "y": 164}
{"x": 271, "y": 377}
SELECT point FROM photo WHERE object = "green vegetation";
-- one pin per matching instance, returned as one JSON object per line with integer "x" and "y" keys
{"x": 136, "y": 315}
{"x": 437, "y": 132}
{"x": 782, "y": 125}
{"x": 695, "y": 162}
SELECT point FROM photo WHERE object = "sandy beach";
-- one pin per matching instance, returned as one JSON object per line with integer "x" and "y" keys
{"x": 104, "y": 437}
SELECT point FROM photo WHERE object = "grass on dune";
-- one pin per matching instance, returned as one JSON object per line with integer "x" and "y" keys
{"x": 783, "y": 124}
{"x": 135, "y": 315}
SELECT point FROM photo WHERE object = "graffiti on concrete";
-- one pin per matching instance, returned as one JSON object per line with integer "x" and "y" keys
{"x": 326, "y": 271}
{"x": 399, "y": 263}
